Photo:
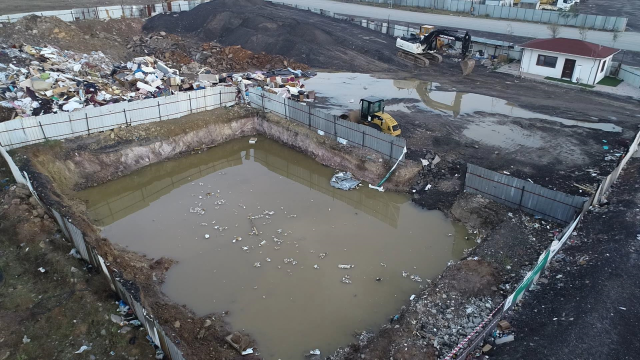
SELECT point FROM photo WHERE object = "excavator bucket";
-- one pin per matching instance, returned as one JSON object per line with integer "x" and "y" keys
{"x": 467, "y": 66}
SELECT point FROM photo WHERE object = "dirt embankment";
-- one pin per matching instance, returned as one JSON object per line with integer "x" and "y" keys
{"x": 50, "y": 302}
{"x": 305, "y": 37}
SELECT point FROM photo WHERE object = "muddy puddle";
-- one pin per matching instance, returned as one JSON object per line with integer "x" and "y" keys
{"x": 284, "y": 285}
{"x": 344, "y": 91}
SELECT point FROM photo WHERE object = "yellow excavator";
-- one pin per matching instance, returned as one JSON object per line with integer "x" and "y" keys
{"x": 372, "y": 114}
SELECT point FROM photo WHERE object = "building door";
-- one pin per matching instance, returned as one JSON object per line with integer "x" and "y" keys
{"x": 567, "y": 70}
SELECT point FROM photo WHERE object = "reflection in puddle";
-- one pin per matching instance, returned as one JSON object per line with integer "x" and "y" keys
{"x": 344, "y": 90}
{"x": 276, "y": 285}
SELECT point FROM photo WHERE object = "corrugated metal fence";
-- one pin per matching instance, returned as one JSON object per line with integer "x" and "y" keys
{"x": 111, "y": 12}
{"x": 31, "y": 130}
{"x": 595, "y": 22}
{"x": 520, "y": 194}
{"x": 343, "y": 131}
{"x": 630, "y": 74}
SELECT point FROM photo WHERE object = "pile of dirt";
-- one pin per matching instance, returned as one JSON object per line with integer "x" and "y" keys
{"x": 258, "y": 26}
{"x": 175, "y": 50}
{"x": 110, "y": 37}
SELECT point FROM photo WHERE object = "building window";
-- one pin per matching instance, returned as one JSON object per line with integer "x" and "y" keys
{"x": 547, "y": 61}
{"x": 604, "y": 63}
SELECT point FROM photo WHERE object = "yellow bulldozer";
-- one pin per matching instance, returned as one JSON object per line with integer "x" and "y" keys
{"x": 372, "y": 114}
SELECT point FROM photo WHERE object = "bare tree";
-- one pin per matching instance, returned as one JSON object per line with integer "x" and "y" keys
{"x": 583, "y": 32}
{"x": 554, "y": 29}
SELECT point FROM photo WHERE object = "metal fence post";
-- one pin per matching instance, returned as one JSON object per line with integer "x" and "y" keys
{"x": 41, "y": 128}
{"x": 126, "y": 123}
{"x": 191, "y": 107}
{"x": 159, "y": 114}
{"x": 220, "y": 92}
{"x": 86, "y": 117}
{"x": 284, "y": 102}
{"x": 309, "y": 117}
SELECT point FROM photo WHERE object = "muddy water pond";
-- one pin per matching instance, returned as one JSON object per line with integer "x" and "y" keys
{"x": 344, "y": 91}
{"x": 284, "y": 284}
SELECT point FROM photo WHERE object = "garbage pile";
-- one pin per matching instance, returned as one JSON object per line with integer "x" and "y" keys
{"x": 48, "y": 80}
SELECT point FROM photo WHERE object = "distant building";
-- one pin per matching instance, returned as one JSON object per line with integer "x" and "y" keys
{"x": 569, "y": 59}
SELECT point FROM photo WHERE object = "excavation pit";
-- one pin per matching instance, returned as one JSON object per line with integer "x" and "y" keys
{"x": 257, "y": 231}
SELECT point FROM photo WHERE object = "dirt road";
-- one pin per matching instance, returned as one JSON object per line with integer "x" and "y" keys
{"x": 627, "y": 40}
{"x": 588, "y": 297}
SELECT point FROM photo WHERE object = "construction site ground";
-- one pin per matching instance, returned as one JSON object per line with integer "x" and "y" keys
{"x": 511, "y": 240}
{"x": 587, "y": 297}
{"x": 49, "y": 302}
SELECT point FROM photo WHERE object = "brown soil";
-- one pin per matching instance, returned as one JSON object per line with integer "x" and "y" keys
{"x": 58, "y": 310}
{"x": 110, "y": 37}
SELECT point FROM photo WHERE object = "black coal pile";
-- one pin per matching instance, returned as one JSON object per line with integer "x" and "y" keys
{"x": 258, "y": 26}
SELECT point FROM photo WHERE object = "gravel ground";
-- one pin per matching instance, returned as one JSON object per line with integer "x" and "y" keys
{"x": 587, "y": 306}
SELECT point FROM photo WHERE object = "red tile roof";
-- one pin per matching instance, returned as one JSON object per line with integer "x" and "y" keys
{"x": 572, "y": 47}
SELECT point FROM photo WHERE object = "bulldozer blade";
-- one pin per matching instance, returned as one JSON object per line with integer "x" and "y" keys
{"x": 467, "y": 66}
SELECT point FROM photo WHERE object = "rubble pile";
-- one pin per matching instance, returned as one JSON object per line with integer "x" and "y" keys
{"x": 175, "y": 51}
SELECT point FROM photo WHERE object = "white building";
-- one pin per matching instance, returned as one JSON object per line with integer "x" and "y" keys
{"x": 569, "y": 59}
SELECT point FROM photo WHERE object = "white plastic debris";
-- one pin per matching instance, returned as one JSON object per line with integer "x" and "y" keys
{"x": 314, "y": 352}
{"x": 75, "y": 254}
{"x": 25, "y": 339}
{"x": 346, "y": 266}
{"x": 248, "y": 351}
{"x": 316, "y": 266}
{"x": 346, "y": 279}
{"x": 344, "y": 181}
{"x": 256, "y": 264}
{"x": 412, "y": 297}
{"x": 206, "y": 236}
{"x": 41, "y": 269}
{"x": 82, "y": 349}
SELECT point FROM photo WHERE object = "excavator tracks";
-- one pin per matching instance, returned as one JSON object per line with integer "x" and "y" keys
{"x": 414, "y": 59}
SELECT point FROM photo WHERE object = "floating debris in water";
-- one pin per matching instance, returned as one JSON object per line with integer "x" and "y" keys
{"x": 197, "y": 210}
{"x": 404, "y": 274}
{"x": 256, "y": 264}
{"x": 206, "y": 236}
{"x": 322, "y": 255}
{"x": 346, "y": 279}
{"x": 316, "y": 266}
{"x": 416, "y": 278}
{"x": 346, "y": 266}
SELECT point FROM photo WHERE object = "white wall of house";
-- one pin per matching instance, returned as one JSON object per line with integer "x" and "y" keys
{"x": 590, "y": 69}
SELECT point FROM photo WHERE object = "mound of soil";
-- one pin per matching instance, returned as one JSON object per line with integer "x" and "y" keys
{"x": 309, "y": 38}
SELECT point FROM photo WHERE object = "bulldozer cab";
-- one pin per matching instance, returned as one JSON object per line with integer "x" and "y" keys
{"x": 370, "y": 106}
{"x": 372, "y": 114}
